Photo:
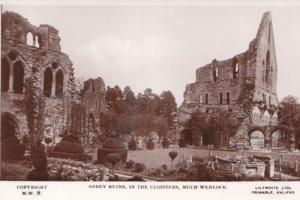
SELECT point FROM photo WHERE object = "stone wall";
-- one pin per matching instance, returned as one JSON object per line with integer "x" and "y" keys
{"x": 25, "y": 49}
{"x": 249, "y": 79}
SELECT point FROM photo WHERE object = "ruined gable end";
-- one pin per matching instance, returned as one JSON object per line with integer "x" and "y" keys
{"x": 266, "y": 64}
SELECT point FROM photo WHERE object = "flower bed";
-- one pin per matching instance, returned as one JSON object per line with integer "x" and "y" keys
{"x": 69, "y": 170}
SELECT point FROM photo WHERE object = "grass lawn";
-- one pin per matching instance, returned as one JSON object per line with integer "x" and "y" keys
{"x": 157, "y": 157}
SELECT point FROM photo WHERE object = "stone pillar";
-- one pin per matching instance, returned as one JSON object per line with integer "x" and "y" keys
{"x": 11, "y": 78}
{"x": 53, "y": 85}
{"x": 34, "y": 40}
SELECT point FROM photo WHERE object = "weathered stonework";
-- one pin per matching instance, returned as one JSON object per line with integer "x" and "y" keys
{"x": 26, "y": 48}
{"x": 93, "y": 101}
{"x": 244, "y": 85}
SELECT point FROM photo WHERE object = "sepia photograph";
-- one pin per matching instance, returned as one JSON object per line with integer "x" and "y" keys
{"x": 150, "y": 93}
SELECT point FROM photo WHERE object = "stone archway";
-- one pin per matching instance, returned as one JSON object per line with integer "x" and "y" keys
{"x": 257, "y": 139}
{"x": 278, "y": 139}
{"x": 9, "y": 129}
{"x": 11, "y": 149}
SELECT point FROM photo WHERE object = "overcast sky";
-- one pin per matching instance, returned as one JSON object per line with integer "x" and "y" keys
{"x": 160, "y": 47}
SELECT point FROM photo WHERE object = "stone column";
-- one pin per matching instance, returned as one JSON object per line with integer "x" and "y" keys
{"x": 11, "y": 78}
{"x": 34, "y": 40}
{"x": 53, "y": 85}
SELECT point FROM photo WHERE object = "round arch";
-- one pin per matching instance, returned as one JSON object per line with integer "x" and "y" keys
{"x": 9, "y": 129}
{"x": 257, "y": 139}
{"x": 187, "y": 136}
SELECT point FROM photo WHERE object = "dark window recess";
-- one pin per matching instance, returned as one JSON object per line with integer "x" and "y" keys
{"x": 18, "y": 80}
{"x": 59, "y": 84}
{"x": 206, "y": 98}
{"x": 4, "y": 75}
{"x": 228, "y": 97}
{"x": 221, "y": 98}
{"x": 48, "y": 76}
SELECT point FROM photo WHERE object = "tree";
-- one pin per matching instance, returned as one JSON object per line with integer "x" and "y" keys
{"x": 289, "y": 116}
{"x": 114, "y": 99}
{"x": 290, "y": 112}
{"x": 147, "y": 102}
{"x": 129, "y": 98}
{"x": 167, "y": 108}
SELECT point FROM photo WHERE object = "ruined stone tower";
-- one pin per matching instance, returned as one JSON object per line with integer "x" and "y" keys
{"x": 244, "y": 85}
{"x": 26, "y": 48}
{"x": 93, "y": 101}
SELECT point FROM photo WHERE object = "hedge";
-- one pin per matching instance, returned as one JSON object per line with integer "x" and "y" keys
{"x": 74, "y": 156}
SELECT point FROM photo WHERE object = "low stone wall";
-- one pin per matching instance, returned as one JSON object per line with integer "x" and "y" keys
{"x": 250, "y": 167}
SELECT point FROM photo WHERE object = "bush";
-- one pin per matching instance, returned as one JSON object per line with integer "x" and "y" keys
{"x": 103, "y": 153}
{"x": 165, "y": 143}
{"x": 68, "y": 147}
{"x": 74, "y": 156}
{"x": 129, "y": 164}
{"x": 150, "y": 145}
{"x": 113, "y": 158}
{"x": 139, "y": 167}
{"x": 112, "y": 143}
{"x": 132, "y": 145}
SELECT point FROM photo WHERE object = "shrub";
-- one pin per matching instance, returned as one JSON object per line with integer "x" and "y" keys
{"x": 103, "y": 152}
{"x": 113, "y": 158}
{"x": 69, "y": 144}
{"x": 164, "y": 167}
{"x": 165, "y": 143}
{"x": 132, "y": 145}
{"x": 150, "y": 144}
{"x": 112, "y": 143}
{"x": 139, "y": 167}
{"x": 129, "y": 164}
{"x": 68, "y": 147}
{"x": 74, "y": 156}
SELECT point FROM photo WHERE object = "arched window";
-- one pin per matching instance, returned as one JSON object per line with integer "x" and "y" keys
{"x": 18, "y": 75}
{"x": 216, "y": 73}
{"x": 268, "y": 65}
{"x": 235, "y": 68}
{"x": 29, "y": 39}
{"x": 48, "y": 76}
{"x": 221, "y": 98}
{"x": 59, "y": 84}
{"x": 4, "y": 75}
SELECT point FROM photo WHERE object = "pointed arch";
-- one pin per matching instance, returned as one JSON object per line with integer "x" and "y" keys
{"x": 29, "y": 39}
{"x": 48, "y": 77}
{"x": 59, "y": 83}
{"x": 18, "y": 74}
{"x": 4, "y": 75}
{"x": 235, "y": 68}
